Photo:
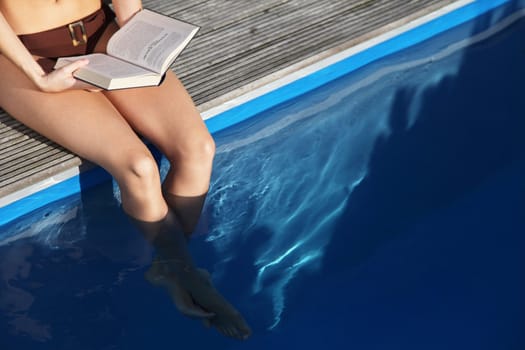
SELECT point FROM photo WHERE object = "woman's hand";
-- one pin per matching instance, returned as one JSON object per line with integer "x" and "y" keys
{"x": 62, "y": 79}
{"x": 59, "y": 80}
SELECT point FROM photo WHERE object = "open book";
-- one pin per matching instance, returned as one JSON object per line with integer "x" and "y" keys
{"x": 138, "y": 54}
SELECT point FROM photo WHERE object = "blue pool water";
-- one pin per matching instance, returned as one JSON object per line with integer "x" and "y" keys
{"x": 384, "y": 210}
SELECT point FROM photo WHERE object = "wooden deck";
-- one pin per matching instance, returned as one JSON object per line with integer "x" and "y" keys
{"x": 240, "y": 43}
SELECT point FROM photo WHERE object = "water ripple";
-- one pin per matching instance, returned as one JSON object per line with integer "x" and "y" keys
{"x": 291, "y": 177}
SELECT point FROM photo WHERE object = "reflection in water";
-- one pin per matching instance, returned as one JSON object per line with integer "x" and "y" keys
{"x": 15, "y": 302}
{"x": 60, "y": 228}
{"x": 43, "y": 255}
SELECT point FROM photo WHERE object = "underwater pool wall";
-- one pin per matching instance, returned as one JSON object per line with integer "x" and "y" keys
{"x": 279, "y": 91}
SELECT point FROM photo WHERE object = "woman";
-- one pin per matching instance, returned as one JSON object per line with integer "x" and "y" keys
{"x": 100, "y": 126}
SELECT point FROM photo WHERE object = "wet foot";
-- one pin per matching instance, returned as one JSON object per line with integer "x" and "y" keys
{"x": 227, "y": 319}
{"x": 205, "y": 302}
{"x": 181, "y": 298}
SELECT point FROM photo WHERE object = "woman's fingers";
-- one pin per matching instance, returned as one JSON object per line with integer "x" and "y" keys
{"x": 62, "y": 79}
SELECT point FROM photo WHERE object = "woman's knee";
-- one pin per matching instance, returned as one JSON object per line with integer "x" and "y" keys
{"x": 205, "y": 148}
{"x": 197, "y": 151}
{"x": 140, "y": 188}
{"x": 139, "y": 171}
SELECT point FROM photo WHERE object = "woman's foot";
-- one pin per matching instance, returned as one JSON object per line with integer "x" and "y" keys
{"x": 197, "y": 297}
{"x": 181, "y": 298}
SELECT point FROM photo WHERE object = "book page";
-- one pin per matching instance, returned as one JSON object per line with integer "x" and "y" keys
{"x": 149, "y": 40}
{"x": 105, "y": 65}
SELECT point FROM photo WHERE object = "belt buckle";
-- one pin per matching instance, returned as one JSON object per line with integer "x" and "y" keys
{"x": 76, "y": 41}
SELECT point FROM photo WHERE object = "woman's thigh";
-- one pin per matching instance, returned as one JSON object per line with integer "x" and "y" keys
{"x": 165, "y": 115}
{"x": 84, "y": 122}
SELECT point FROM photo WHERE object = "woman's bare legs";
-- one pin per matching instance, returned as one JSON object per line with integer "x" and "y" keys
{"x": 167, "y": 116}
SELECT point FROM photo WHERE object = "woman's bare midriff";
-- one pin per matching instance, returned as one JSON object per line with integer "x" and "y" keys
{"x": 32, "y": 16}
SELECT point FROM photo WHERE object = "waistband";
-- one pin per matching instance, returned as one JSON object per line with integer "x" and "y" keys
{"x": 77, "y": 38}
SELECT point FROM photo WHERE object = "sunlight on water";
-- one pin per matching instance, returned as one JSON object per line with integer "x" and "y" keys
{"x": 291, "y": 189}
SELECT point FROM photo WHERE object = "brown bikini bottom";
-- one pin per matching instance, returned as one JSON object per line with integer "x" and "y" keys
{"x": 77, "y": 38}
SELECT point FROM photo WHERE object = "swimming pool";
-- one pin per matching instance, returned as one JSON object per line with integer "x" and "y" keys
{"x": 384, "y": 210}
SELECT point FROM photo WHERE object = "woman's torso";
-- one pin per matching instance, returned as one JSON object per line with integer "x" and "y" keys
{"x": 32, "y": 16}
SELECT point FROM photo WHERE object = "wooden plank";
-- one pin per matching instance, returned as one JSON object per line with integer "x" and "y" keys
{"x": 22, "y": 150}
{"x": 42, "y": 169}
{"x": 292, "y": 46}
